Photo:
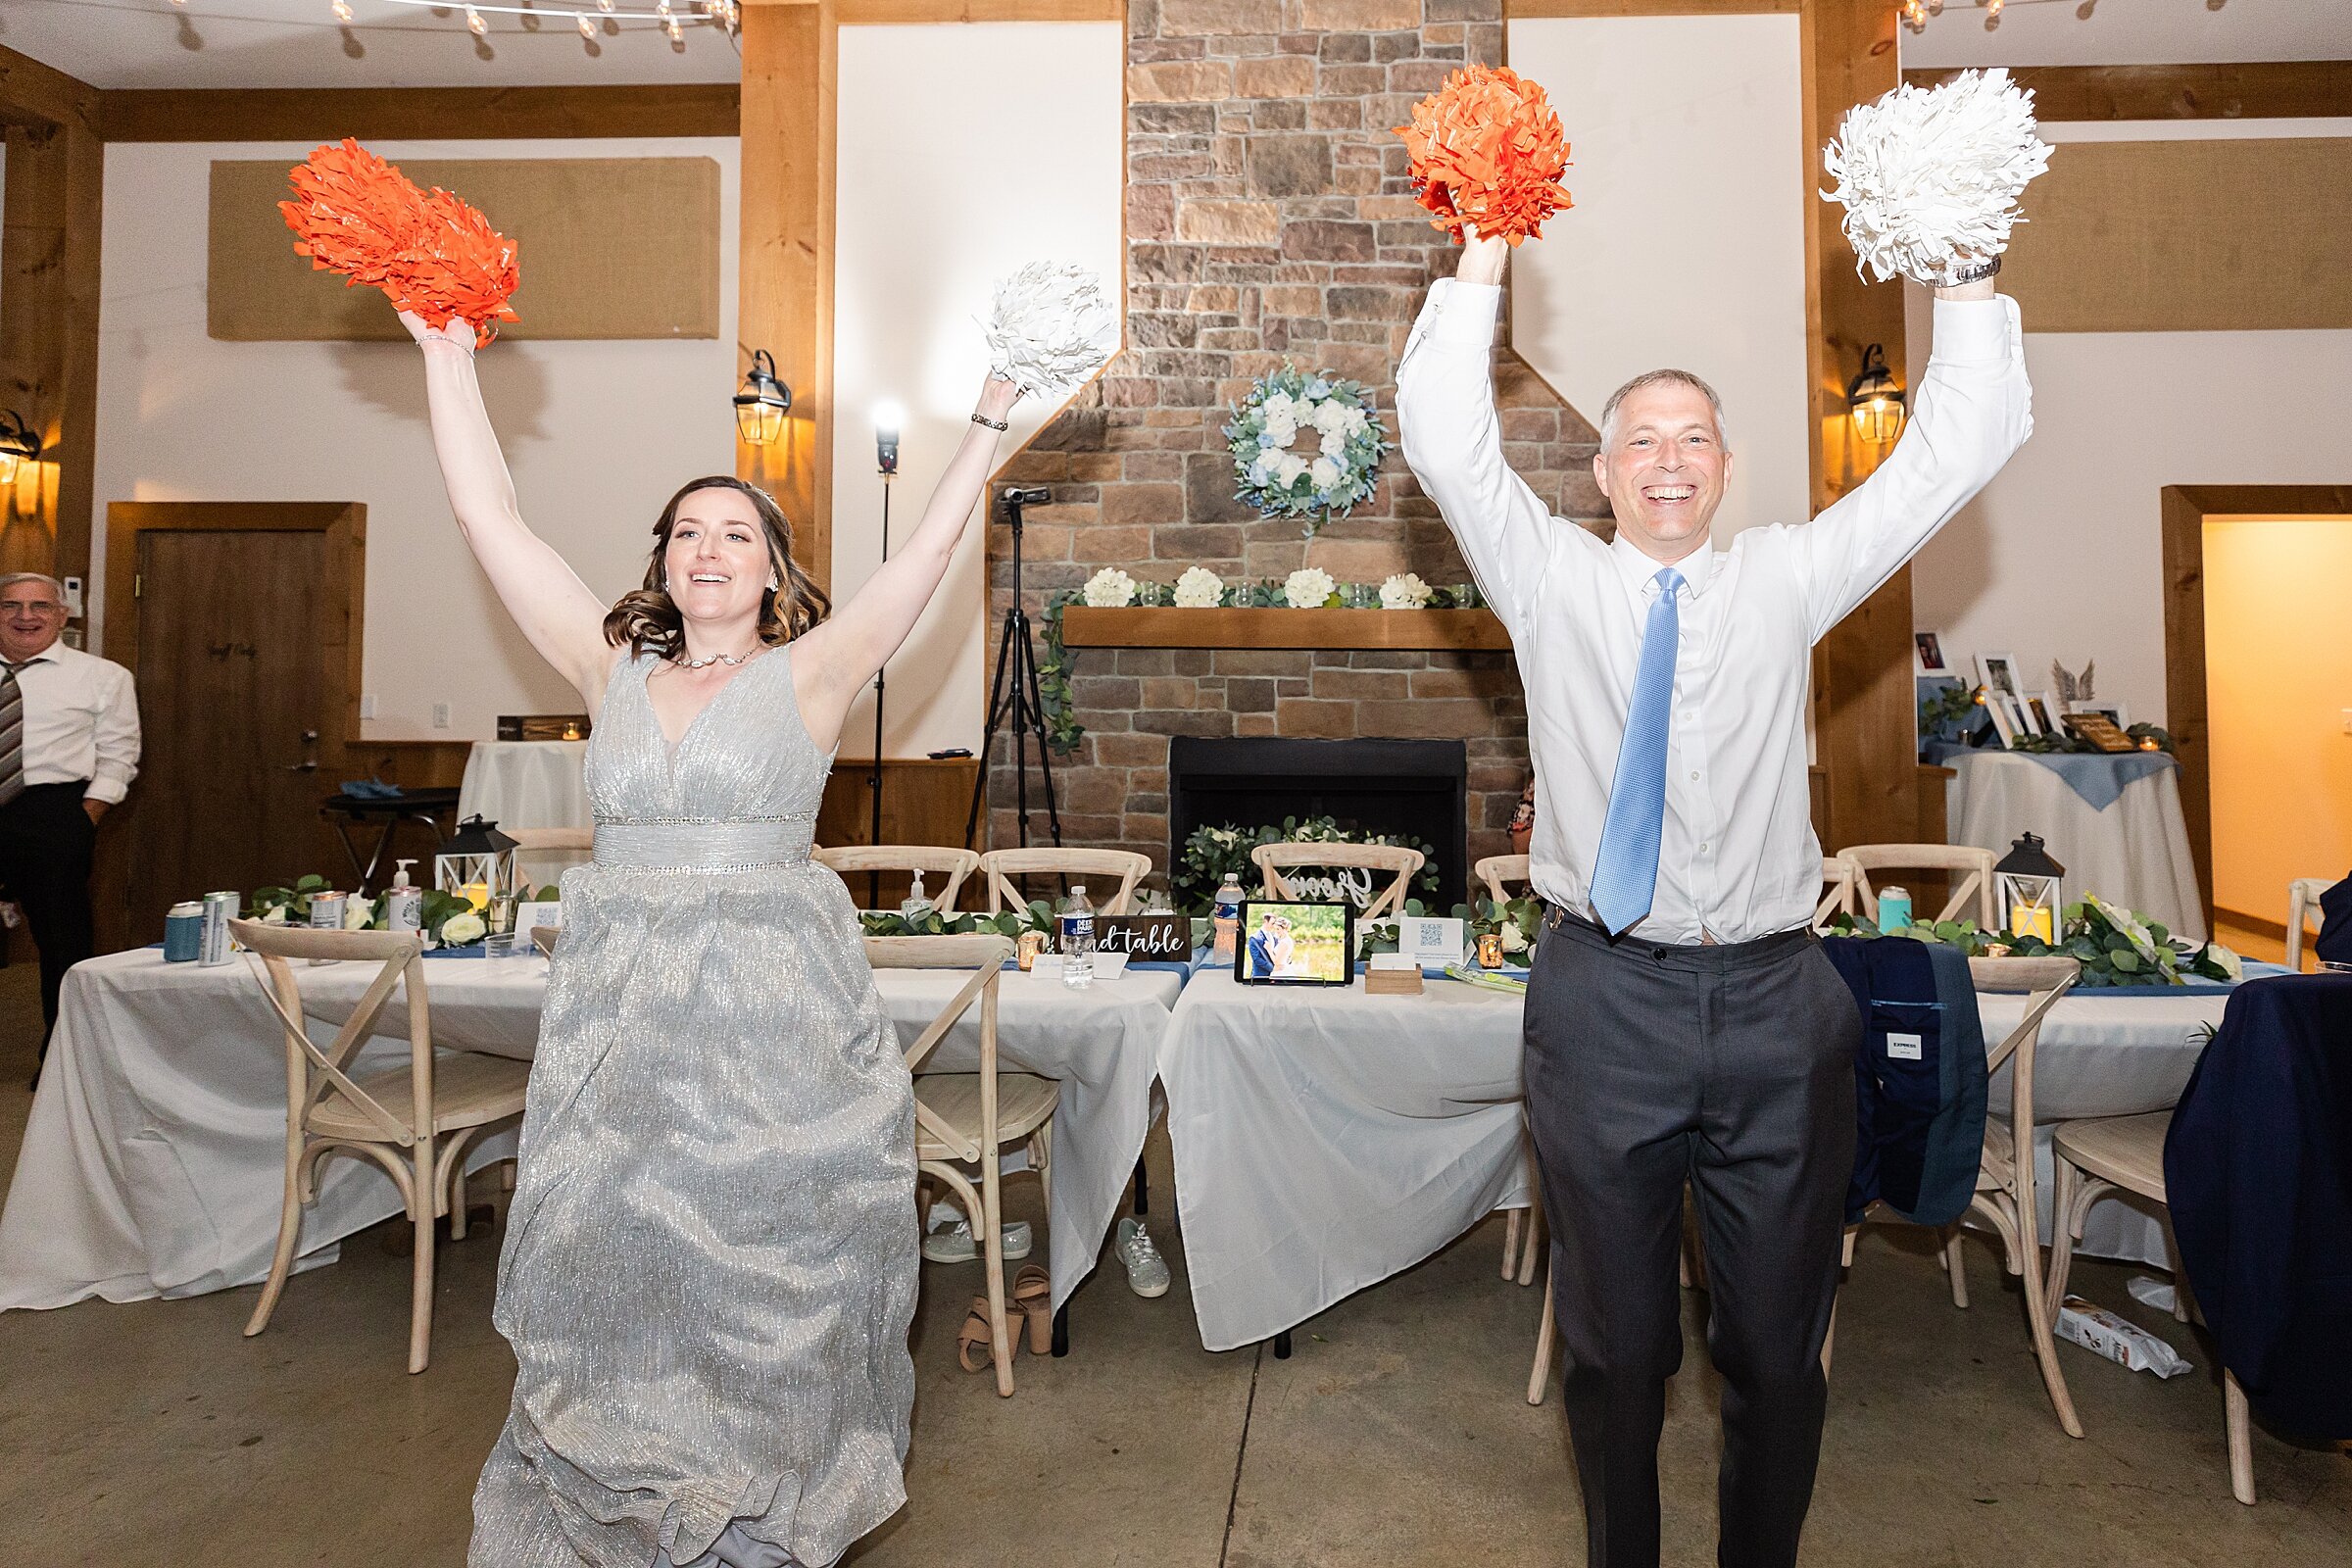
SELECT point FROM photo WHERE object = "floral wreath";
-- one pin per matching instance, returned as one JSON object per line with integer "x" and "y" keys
{"x": 1281, "y": 484}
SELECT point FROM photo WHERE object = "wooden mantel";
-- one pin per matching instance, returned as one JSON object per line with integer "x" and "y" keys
{"x": 1466, "y": 630}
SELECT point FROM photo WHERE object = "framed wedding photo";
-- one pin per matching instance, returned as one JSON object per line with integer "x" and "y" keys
{"x": 2041, "y": 713}
{"x": 1929, "y": 646}
{"x": 1998, "y": 673}
{"x": 1295, "y": 944}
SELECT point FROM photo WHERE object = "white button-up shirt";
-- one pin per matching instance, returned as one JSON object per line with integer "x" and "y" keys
{"x": 82, "y": 721}
{"x": 1737, "y": 858}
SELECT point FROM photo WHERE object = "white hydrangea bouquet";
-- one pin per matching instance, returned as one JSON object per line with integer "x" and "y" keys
{"x": 1350, "y": 440}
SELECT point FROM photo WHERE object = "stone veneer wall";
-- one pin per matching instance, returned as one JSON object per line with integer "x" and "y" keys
{"x": 1269, "y": 216}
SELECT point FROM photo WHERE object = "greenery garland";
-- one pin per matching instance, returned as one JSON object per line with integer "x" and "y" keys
{"x": 1214, "y": 852}
{"x": 2116, "y": 947}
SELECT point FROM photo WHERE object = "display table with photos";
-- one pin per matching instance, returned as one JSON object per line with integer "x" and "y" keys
{"x": 154, "y": 1158}
{"x": 2133, "y": 851}
{"x": 525, "y": 784}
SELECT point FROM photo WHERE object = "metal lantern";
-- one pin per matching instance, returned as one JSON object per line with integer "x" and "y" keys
{"x": 20, "y": 443}
{"x": 1876, "y": 401}
{"x": 2027, "y": 890}
{"x": 761, "y": 407}
{"x": 477, "y": 865}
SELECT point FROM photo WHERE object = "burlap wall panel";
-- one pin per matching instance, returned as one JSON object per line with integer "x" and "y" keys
{"x": 2188, "y": 237}
{"x": 609, "y": 247}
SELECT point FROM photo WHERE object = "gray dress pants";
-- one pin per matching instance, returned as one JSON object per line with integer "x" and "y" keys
{"x": 1732, "y": 1068}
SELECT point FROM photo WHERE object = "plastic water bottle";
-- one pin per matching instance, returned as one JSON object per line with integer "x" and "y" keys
{"x": 1226, "y": 919}
{"x": 1077, "y": 939}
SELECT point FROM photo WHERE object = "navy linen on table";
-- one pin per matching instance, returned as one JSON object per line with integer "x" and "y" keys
{"x": 2098, "y": 778}
{"x": 2258, "y": 1174}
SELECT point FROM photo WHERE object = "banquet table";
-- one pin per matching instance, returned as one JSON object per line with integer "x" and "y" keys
{"x": 2133, "y": 851}
{"x": 1326, "y": 1140}
{"x": 153, "y": 1161}
{"x": 525, "y": 784}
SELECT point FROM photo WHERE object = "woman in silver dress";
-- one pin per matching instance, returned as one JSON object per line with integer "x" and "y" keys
{"x": 710, "y": 1262}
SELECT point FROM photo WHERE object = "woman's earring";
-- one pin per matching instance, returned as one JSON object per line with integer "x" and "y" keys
{"x": 772, "y": 585}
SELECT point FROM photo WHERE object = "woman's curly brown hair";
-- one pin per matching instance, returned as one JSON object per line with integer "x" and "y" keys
{"x": 647, "y": 619}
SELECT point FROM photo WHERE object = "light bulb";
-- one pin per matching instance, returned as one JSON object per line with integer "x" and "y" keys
{"x": 677, "y": 37}
{"x": 606, "y": 5}
{"x": 587, "y": 27}
{"x": 342, "y": 9}
{"x": 474, "y": 22}
{"x": 889, "y": 417}
{"x": 662, "y": 10}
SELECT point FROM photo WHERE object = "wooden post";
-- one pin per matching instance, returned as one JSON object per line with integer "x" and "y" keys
{"x": 1863, "y": 716}
{"x": 784, "y": 293}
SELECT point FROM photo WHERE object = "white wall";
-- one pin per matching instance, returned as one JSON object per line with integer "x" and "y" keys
{"x": 598, "y": 434}
{"x": 2061, "y": 556}
{"x": 965, "y": 151}
{"x": 1687, "y": 244}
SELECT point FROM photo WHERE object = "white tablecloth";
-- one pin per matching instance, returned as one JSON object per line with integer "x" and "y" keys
{"x": 525, "y": 784}
{"x": 2134, "y": 853}
{"x": 1328, "y": 1139}
{"x": 154, "y": 1156}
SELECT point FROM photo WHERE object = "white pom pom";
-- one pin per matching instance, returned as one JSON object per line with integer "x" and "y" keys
{"x": 1930, "y": 176}
{"x": 1051, "y": 328}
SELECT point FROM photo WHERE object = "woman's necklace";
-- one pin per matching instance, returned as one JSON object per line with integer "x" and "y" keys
{"x": 708, "y": 659}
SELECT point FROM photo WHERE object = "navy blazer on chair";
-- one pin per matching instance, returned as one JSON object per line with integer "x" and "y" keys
{"x": 1919, "y": 1077}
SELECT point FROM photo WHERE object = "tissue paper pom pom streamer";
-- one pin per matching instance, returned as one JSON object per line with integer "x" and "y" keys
{"x": 354, "y": 214}
{"x": 1486, "y": 149}
{"x": 1930, "y": 176}
{"x": 1051, "y": 328}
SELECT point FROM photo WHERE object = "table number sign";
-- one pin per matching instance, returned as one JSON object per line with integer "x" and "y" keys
{"x": 1433, "y": 940}
{"x": 1146, "y": 937}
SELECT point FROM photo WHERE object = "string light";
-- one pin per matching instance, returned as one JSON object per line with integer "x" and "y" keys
{"x": 474, "y": 22}
{"x": 342, "y": 10}
{"x": 1992, "y": 12}
{"x": 587, "y": 27}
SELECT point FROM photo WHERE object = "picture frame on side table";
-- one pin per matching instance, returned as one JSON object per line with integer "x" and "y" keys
{"x": 2004, "y": 718}
{"x": 1928, "y": 647}
{"x": 2115, "y": 713}
{"x": 2041, "y": 713}
{"x": 1998, "y": 673}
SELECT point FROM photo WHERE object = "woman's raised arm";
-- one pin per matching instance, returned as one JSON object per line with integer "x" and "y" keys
{"x": 554, "y": 609}
{"x": 841, "y": 655}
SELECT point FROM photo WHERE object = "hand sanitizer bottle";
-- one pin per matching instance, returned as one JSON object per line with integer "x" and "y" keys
{"x": 916, "y": 903}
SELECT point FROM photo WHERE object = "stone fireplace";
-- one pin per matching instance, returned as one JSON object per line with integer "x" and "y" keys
{"x": 1269, "y": 217}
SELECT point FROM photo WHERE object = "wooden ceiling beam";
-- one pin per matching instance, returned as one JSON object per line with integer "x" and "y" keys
{"x": 418, "y": 114}
{"x": 2261, "y": 89}
{"x": 34, "y": 94}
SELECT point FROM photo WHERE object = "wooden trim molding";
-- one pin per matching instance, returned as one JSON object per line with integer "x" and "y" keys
{"x": 388, "y": 113}
{"x": 1473, "y": 630}
{"x": 2256, "y": 90}
{"x": 2184, "y": 510}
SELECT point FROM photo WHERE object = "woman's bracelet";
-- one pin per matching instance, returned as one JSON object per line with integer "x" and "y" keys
{"x": 993, "y": 424}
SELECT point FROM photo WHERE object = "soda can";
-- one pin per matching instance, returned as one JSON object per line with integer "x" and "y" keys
{"x": 327, "y": 910}
{"x": 213, "y": 945}
{"x": 404, "y": 908}
{"x": 184, "y": 932}
{"x": 1894, "y": 908}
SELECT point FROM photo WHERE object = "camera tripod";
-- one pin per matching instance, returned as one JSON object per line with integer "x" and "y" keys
{"x": 1013, "y": 698}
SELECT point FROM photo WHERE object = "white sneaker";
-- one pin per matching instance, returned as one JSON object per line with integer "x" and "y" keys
{"x": 1147, "y": 1270}
{"x": 954, "y": 1243}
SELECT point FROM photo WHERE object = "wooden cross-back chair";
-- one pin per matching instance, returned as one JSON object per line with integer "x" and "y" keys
{"x": 1839, "y": 890}
{"x": 2005, "y": 1187}
{"x": 1395, "y": 858}
{"x": 1498, "y": 871}
{"x": 1972, "y": 891}
{"x": 416, "y": 1120}
{"x": 2302, "y": 903}
{"x": 904, "y": 859}
{"x": 1085, "y": 867}
{"x": 559, "y": 847}
{"x": 968, "y": 1119}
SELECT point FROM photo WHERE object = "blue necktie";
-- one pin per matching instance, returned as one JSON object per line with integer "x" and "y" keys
{"x": 1625, "y": 878}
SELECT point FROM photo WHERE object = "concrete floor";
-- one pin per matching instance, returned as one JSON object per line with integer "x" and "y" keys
{"x": 1398, "y": 1433}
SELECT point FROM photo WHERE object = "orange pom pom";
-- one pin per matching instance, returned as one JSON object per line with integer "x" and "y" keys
{"x": 431, "y": 254}
{"x": 1488, "y": 149}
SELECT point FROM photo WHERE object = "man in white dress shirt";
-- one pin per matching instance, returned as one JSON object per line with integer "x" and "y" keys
{"x": 68, "y": 750}
{"x": 1682, "y": 1022}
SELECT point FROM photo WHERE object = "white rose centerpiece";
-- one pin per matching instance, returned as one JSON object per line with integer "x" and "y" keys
{"x": 1309, "y": 588}
{"x": 1109, "y": 589}
{"x": 1405, "y": 591}
{"x": 1200, "y": 589}
{"x": 461, "y": 930}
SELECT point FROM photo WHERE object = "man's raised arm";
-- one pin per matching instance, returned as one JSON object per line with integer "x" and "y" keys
{"x": 1452, "y": 438}
{"x": 1972, "y": 409}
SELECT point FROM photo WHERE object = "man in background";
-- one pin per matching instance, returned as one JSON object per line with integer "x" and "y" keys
{"x": 68, "y": 750}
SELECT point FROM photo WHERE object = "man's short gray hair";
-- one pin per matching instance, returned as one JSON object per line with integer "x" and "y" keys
{"x": 1608, "y": 410}
{"x": 56, "y": 589}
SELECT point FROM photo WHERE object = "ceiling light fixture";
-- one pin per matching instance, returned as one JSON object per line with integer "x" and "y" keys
{"x": 726, "y": 14}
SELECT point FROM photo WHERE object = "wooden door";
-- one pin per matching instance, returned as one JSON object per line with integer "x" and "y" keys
{"x": 232, "y": 694}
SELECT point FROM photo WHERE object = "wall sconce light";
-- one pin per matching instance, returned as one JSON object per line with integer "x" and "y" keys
{"x": 19, "y": 443}
{"x": 1876, "y": 401}
{"x": 761, "y": 407}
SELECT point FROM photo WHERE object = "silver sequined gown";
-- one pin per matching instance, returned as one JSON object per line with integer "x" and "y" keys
{"x": 710, "y": 1264}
